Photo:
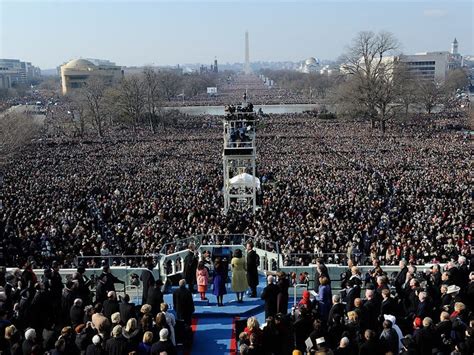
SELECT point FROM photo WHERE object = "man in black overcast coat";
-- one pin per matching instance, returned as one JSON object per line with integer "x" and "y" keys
{"x": 155, "y": 297}
{"x": 270, "y": 296}
{"x": 147, "y": 279}
{"x": 252, "y": 269}
{"x": 190, "y": 266}
{"x": 183, "y": 303}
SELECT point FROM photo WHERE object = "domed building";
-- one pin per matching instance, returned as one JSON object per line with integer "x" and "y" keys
{"x": 76, "y": 72}
{"x": 310, "y": 65}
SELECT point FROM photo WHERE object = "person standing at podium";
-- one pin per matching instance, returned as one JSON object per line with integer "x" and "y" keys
{"x": 252, "y": 272}
{"x": 239, "y": 279}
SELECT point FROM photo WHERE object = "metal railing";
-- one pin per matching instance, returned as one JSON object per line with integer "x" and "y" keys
{"x": 116, "y": 260}
{"x": 295, "y": 287}
{"x": 306, "y": 259}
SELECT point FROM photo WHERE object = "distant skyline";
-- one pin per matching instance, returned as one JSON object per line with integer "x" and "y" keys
{"x": 133, "y": 33}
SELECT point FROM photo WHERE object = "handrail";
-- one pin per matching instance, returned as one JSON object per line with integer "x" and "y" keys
{"x": 295, "y": 287}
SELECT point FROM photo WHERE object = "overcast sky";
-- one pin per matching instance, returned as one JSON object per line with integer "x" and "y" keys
{"x": 47, "y": 33}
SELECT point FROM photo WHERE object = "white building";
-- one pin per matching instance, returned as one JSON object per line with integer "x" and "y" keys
{"x": 18, "y": 71}
{"x": 433, "y": 65}
{"x": 75, "y": 73}
{"x": 310, "y": 65}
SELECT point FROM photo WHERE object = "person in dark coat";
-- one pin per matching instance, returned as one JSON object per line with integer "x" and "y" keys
{"x": 190, "y": 266}
{"x": 84, "y": 283}
{"x": 337, "y": 309}
{"x": 84, "y": 336}
{"x": 127, "y": 309}
{"x": 466, "y": 347}
{"x": 164, "y": 345}
{"x": 105, "y": 283}
{"x": 96, "y": 348}
{"x": 155, "y": 297}
{"x": 371, "y": 346}
{"x": 470, "y": 292}
{"x": 271, "y": 341}
{"x": 389, "y": 338}
{"x": 29, "y": 342}
{"x": 111, "y": 305}
{"x": 76, "y": 313}
{"x": 220, "y": 273}
{"x": 352, "y": 292}
{"x": 401, "y": 277}
{"x": 389, "y": 305}
{"x": 252, "y": 269}
{"x": 282, "y": 298}
{"x": 41, "y": 309}
{"x": 425, "y": 338}
{"x": 183, "y": 303}
{"x": 117, "y": 345}
{"x": 443, "y": 333}
{"x": 147, "y": 279}
{"x": 270, "y": 296}
{"x": 369, "y": 311}
{"x": 424, "y": 308}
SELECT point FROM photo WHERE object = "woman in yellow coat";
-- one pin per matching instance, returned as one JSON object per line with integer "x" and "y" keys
{"x": 239, "y": 275}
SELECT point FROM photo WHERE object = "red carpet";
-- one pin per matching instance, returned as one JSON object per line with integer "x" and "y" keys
{"x": 233, "y": 341}
{"x": 194, "y": 323}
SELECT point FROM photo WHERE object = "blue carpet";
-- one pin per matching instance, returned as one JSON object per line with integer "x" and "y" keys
{"x": 212, "y": 336}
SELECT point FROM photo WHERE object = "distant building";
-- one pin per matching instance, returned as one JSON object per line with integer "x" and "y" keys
{"x": 429, "y": 65}
{"x": 75, "y": 73}
{"x": 310, "y": 65}
{"x": 6, "y": 77}
{"x": 433, "y": 65}
{"x": 213, "y": 68}
{"x": 14, "y": 71}
{"x": 139, "y": 70}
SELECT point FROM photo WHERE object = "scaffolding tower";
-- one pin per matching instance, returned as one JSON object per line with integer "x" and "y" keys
{"x": 239, "y": 155}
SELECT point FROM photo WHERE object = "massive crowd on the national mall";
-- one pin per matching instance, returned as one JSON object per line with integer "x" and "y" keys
{"x": 329, "y": 189}
{"x": 332, "y": 192}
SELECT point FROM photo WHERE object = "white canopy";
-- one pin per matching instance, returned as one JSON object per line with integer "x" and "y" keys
{"x": 246, "y": 180}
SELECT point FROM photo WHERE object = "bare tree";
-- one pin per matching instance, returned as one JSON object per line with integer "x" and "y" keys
{"x": 428, "y": 94}
{"x": 131, "y": 99}
{"x": 152, "y": 96}
{"x": 16, "y": 131}
{"x": 75, "y": 107}
{"x": 406, "y": 87}
{"x": 366, "y": 61}
{"x": 93, "y": 94}
{"x": 170, "y": 84}
{"x": 457, "y": 79}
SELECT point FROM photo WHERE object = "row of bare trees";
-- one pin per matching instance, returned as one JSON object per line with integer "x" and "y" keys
{"x": 312, "y": 85}
{"x": 136, "y": 101}
{"x": 17, "y": 129}
{"x": 379, "y": 86}
{"x": 374, "y": 83}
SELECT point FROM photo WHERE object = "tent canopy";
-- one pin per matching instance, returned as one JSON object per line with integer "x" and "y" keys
{"x": 246, "y": 180}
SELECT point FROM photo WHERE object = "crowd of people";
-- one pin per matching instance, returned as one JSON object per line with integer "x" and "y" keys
{"x": 46, "y": 314}
{"x": 259, "y": 94}
{"x": 412, "y": 313}
{"x": 329, "y": 189}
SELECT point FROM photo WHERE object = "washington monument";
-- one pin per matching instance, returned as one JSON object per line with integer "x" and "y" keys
{"x": 247, "y": 69}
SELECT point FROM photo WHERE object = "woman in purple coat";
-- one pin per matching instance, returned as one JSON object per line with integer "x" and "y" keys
{"x": 324, "y": 297}
{"x": 220, "y": 274}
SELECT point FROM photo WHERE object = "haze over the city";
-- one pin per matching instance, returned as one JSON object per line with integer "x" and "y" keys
{"x": 48, "y": 33}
